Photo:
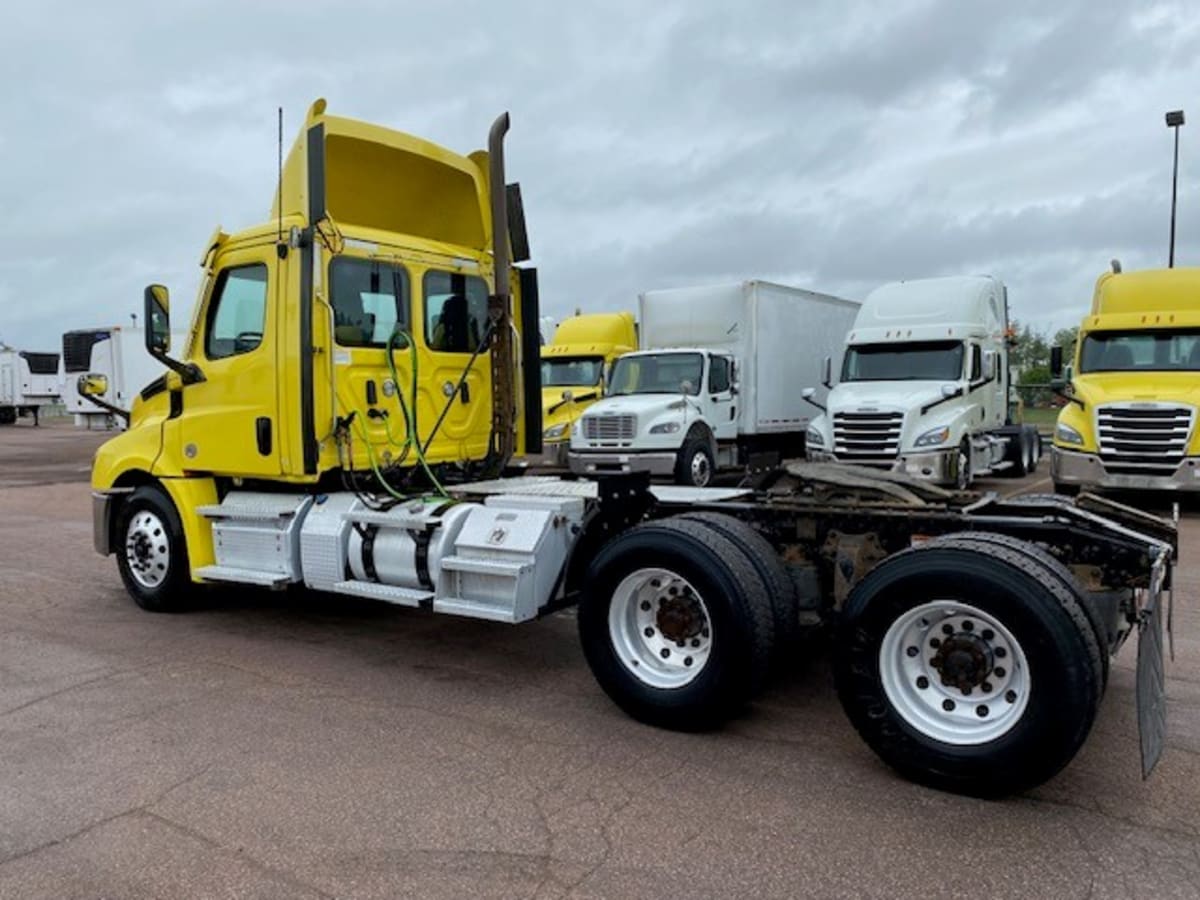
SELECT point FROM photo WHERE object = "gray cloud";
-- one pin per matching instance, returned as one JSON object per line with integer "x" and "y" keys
{"x": 826, "y": 144}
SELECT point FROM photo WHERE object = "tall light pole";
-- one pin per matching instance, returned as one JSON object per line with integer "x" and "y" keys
{"x": 1174, "y": 120}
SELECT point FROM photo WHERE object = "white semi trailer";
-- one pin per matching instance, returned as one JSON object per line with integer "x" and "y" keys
{"x": 119, "y": 354}
{"x": 28, "y": 382}
{"x": 715, "y": 383}
{"x": 924, "y": 386}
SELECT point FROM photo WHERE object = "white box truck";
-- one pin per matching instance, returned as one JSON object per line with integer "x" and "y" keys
{"x": 28, "y": 382}
{"x": 715, "y": 385}
{"x": 119, "y": 354}
{"x": 924, "y": 385}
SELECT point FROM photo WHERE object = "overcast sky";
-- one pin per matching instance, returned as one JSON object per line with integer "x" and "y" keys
{"x": 833, "y": 146}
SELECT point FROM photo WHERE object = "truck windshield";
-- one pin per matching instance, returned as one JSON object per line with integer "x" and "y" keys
{"x": 661, "y": 373}
{"x": 916, "y": 361}
{"x": 564, "y": 371}
{"x": 1141, "y": 351}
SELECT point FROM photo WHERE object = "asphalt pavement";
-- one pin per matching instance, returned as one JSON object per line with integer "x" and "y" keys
{"x": 300, "y": 745}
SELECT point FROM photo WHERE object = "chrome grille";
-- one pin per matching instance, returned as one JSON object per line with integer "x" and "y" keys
{"x": 867, "y": 437}
{"x": 1147, "y": 439}
{"x": 609, "y": 428}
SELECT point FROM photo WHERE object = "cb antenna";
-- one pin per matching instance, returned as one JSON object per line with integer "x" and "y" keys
{"x": 279, "y": 161}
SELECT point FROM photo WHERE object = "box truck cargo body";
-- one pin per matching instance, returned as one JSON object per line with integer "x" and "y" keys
{"x": 28, "y": 382}
{"x": 716, "y": 384}
{"x": 119, "y": 354}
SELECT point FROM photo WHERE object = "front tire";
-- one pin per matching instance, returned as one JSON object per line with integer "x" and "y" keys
{"x": 152, "y": 553}
{"x": 694, "y": 465}
{"x": 962, "y": 473}
{"x": 969, "y": 668}
{"x": 676, "y": 625}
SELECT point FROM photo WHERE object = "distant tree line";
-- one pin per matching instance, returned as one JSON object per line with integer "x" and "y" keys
{"x": 1030, "y": 358}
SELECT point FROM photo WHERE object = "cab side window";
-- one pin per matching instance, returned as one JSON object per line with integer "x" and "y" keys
{"x": 976, "y": 362}
{"x": 455, "y": 311}
{"x": 718, "y": 375}
{"x": 237, "y": 312}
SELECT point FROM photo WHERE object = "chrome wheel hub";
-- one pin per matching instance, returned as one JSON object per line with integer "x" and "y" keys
{"x": 147, "y": 550}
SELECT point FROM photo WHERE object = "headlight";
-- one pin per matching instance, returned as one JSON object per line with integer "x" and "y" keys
{"x": 664, "y": 428}
{"x": 1067, "y": 435}
{"x": 816, "y": 438}
{"x": 556, "y": 431}
{"x": 934, "y": 437}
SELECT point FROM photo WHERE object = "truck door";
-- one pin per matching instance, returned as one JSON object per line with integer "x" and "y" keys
{"x": 721, "y": 406}
{"x": 230, "y": 423}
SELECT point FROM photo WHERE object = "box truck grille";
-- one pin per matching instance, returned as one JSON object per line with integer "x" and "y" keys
{"x": 609, "y": 428}
{"x": 867, "y": 437}
{"x": 77, "y": 349}
{"x": 1143, "y": 440}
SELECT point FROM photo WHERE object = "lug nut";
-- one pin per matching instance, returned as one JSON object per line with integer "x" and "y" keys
{"x": 1011, "y": 696}
{"x": 968, "y": 625}
{"x": 922, "y": 682}
{"x": 695, "y": 642}
{"x": 948, "y": 705}
{"x": 664, "y": 652}
{"x": 967, "y": 691}
{"x": 999, "y": 670}
{"x": 986, "y": 687}
{"x": 687, "y": 660}
{"x": 1000, "y": 653}
{"x": 654, "y": 582}
{"x": 947, "y": 628}
{"x": 649, "y": 632}
{"x": 645, "y": 606}
{"x": 981, "y": 711}
{"x": 935, "y": 643}
{"x": 912, "y": 651}
{"x": 987, "y": 634}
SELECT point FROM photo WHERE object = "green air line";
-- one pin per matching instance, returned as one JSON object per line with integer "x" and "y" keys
{"x": 411, "y": 440}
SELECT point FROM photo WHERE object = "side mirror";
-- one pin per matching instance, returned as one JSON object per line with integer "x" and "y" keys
{"x": 92, "y": 385}
{"x": 685, "y": 386}
{"x": 989, "y": 365}
{"x": 950, "y": 390}
{"x": 1056, "y": 363}
{"x": 568, "y": 396}
{"x": 827, "y": 371}
{"x": 808, "y": 393}
{"x": 158, "y": 319}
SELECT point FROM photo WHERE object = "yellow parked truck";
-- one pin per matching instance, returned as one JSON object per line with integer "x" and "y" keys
{"x": 1133, "y": 389}
{"x": 574, "y": 371}
{"x": 361, "y": 367}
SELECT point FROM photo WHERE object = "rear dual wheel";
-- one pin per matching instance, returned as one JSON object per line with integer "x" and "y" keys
{"x": 969, "y": 665}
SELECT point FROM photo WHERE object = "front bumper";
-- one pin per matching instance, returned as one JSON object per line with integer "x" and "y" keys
{"x": 938, "y": 466}
{"x": 1087, "y": 470}
{"x": 102, "y": 522}
{"x": 587, "y": 463}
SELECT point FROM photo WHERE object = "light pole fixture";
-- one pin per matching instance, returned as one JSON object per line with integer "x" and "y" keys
{"x": 1174, "y": 120}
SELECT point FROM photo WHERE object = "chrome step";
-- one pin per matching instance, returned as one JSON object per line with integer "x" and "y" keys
{"x": 235, "y": 575}
{"x": 387, "y": 593}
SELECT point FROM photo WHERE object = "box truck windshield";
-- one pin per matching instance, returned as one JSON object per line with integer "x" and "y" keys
{"x": 917, "y": 361}
{"x": 1140, "y": 351}
{"x": 572, "y": 371}
{"x": 661, "y": 373}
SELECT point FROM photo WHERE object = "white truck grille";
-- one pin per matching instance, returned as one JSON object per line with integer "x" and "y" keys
{"x": 1147, "y": 439}
{"x": 609, "y": 428}
{"x": 867, "y": 437}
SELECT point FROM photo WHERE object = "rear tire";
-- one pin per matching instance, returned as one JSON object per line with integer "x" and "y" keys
{"x": 781, "y": 589}
{"x": 152, "y": 552}
{"x": 1014, "y": 629}
{"x": 676, "y": 625}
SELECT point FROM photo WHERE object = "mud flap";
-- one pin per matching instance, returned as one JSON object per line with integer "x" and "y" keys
{"x": 1151, "y": 688}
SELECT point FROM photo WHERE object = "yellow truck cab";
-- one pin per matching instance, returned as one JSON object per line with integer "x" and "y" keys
{"x": 358, "y": 340}
{"x": 1134, "y": 387}
{"x": 574, "y": 368}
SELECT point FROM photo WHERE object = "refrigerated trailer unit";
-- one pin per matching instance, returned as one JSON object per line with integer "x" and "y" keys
{"x": 119, "y": 354}
{"x": 28, "y": 383}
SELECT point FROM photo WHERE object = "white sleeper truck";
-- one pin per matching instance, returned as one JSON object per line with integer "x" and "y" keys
{"x": 924, "y": 386}
{"x": 715, "y": 383}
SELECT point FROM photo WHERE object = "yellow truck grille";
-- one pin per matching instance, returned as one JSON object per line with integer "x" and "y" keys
{"x": 1143, "y": 438}
{"x": 867, "y": 437}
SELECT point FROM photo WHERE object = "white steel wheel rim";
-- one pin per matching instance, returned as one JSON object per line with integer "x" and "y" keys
{"x": 700, "y": 468}
{"x": 985, "y": 657}
{"x": 660, "y": 628}
{"x": 147, "y": 549}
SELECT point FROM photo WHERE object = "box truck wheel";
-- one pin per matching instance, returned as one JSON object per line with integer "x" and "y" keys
{"x": 152, "y": 554}
{"x": 968, "y": 666}
{"x": 780, "y": 586}
{"x": 694, "y": 465}
{"x": 676, "y": 624}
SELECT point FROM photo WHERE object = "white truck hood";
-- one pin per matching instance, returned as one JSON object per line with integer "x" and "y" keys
{"x": 640, "y": 405}
{"x": 899, "y": 396}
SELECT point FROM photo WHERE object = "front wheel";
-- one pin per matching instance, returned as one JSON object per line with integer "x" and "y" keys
{"x": 694, "y": 465}
{"x": 970, "y": 668}
{"x": 152, "y": 556}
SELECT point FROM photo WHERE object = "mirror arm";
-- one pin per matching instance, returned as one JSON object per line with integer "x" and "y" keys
{"x": 815, "y": 403}
{"x": 1059, "y": 391}
{"x": 189, "y": 372}
{"x": 103, "y": 404}
{"x": 940, "y": 400}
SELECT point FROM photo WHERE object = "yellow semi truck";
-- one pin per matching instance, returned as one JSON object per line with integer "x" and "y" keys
{"x": 359, "y": 370}
{"x": 574, "y": 371}
{"x": 1133, "y": 390}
